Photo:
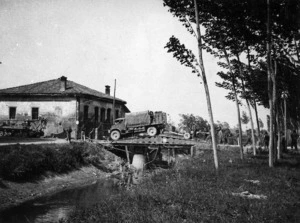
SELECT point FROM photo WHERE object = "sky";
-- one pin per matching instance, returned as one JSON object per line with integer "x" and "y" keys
{"x": 94, "y": 42}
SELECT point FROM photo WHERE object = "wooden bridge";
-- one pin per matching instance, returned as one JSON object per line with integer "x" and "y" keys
{"x": 151, "y": 145}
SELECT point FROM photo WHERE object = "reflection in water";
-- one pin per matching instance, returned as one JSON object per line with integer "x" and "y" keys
{"x": 52, "y": 208}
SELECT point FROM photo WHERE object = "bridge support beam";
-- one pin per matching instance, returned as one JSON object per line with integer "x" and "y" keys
{"x": 127, "y": 155}
{"x": 192, "y": 151}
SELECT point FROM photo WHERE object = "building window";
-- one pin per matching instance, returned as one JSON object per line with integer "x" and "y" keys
{"x": 108, "y": 115}
{"x": 102, "y": 114}
{"x": 117, "y": 114}
{"x": 34, "y": 113}
{"x": 12, "y": 112}
{"x": 96, "y": 114}
{"x": 86, "y": 112}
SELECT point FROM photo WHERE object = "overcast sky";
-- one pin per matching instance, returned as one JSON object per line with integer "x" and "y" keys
{"x": 93, "y": 42}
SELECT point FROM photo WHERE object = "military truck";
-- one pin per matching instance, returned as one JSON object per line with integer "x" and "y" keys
{"x": 152, "y": 123}
{"x": 23, "y": 128}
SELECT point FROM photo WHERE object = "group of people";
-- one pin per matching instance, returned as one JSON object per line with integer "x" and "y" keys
{"x": 294, "y": 139}
{"x": 223, "y": 136}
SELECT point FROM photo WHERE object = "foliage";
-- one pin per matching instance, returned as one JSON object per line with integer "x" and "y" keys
{"x": 184, "y": 56}
{"x": 229, "y": 84}
{"x": 256, "y": 83}
{"x": 245, "y": 118}
{"x": 221, "y": 125}
{"x": 26, "y": 162}
{"x": 189, "y": 122}
{"x": 239, "y": 27}
{"x": 193, "y": 192}
{"x": 225, "y": 125}
{"x": 261, "y": 124}
{"x": 170, "y": 125}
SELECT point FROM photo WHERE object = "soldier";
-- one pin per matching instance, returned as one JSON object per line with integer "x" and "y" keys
{"x": 220, "y": 136}
{"x": 294, "y": 137}
{"x": 266, "y": 141}
{"x": 283, "y": 143}
{"x": 69, "y": 131}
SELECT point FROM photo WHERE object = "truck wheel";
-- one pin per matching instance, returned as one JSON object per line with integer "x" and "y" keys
{"x": 152, "y": 131}
{"x": 186, "y": 135}
{"x": 115, "y": 135}
{"x": 1, "y": 133}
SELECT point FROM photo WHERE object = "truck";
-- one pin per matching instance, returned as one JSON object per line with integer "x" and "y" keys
{"x": 152, "y": 123}
{"x": 23, "y": 128}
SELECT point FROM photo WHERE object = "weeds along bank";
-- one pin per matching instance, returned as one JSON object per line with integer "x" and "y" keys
{"x": 193, "y": 192}
{"x": 31, "y": 171}
{"x": 26, "y": 162}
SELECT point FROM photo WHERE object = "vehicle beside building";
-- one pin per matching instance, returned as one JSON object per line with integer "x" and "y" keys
{"x": 64, "y": 105}
{"x": 27, "y": 128}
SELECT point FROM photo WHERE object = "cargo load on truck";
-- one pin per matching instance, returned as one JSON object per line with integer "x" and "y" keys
{"x": 138, "y": 118}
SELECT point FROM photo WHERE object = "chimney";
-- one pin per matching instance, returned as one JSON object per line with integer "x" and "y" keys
{"x": 63, "y": 83}
{"x": 107, "y": 89}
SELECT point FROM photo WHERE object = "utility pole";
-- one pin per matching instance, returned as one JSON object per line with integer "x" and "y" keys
{"x": 114, "y": 103}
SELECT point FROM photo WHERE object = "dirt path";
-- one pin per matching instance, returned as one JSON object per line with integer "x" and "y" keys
{"x": 4, "y": 141}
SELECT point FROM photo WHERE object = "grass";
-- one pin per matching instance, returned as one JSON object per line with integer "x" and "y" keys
{"x": 193, "y": 192}
{"x": 27, "y": 162}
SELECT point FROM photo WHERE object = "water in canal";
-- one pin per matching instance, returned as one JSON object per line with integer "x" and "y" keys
{"x": 52, "y": 208}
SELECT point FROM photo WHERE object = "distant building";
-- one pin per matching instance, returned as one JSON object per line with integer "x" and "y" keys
{"x": 64, "y": 104}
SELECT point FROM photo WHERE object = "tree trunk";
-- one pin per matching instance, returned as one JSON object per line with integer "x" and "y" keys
{"x": 285, "y": 124}
{"x": 252, "y": 129}
{"x": 257, "y": 121}
{"x": 270, "y": 87}
{"x": 236, "y": 100}
{"x": 297, "y": 48}
{"x": 254, "y": 101}
{"x": 240, "y": 126}
{"x": 279, "y": 145}
{"x": 249, "y": 109}
{"x": 276, "y": 110}
{"x": 209, "y": 107}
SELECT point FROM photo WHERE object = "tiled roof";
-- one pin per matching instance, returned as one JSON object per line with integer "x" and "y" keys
{"x": 53, "y": 87}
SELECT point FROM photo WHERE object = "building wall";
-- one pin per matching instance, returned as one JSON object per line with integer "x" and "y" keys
{"x": 88, "y": 122}
{"x": 63, "y": 113}
{"x": 101, "y": 105}
{"x": 59, "y": 114}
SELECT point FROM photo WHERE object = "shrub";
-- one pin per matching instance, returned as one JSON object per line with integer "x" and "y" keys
{"x": 20, "y": 162}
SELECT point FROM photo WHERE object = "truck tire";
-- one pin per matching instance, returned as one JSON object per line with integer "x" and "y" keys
{"x": 115, "y": 135}
{"x": 1, "y": 133}
{"x": 152, "y": 131}
{"x": 186, "y": 135}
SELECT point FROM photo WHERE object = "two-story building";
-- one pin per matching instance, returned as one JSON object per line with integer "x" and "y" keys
{"x": 64, "y": 104}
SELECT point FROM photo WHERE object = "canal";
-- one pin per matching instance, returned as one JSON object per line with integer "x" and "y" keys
{"x": 60, "y": 205}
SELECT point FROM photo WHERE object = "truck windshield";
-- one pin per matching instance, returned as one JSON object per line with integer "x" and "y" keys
{"x": 119, "y": 121}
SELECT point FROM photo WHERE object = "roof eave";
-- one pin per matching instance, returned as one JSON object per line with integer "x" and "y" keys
{"x": 75, "y": 95}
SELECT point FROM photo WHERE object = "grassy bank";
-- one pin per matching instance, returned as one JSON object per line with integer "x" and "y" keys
{"x": 27, "y": 162}
{"x": 193, "y": 192}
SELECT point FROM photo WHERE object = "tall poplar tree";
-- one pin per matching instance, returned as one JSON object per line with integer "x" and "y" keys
{"x": 188, "y": 13}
